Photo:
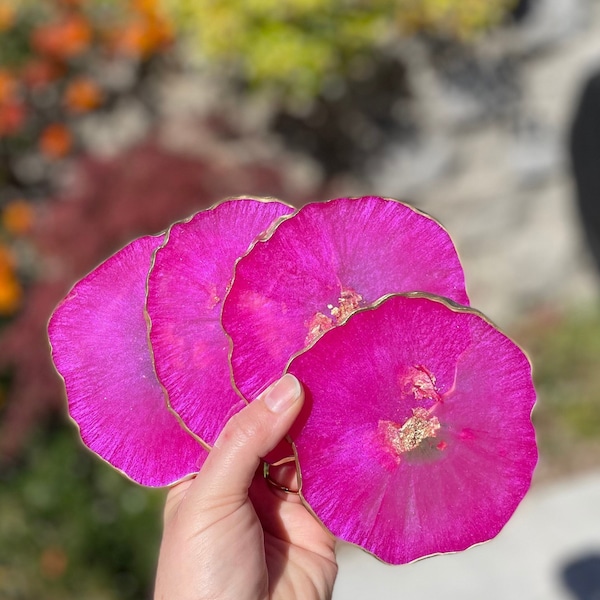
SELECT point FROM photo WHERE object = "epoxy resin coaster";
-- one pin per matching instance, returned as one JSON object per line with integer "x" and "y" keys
{"x": 186, "y": 287}
{"x": 100, "y": 347}
{"x": 416, "y": 436}
{"x": 319, "y": 266}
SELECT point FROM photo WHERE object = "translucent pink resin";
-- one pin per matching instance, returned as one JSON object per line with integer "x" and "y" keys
{"x": 417, "y": 437}
{"x": 186, "y": 287}
{"x": 99, "y": 345}
{"x": 318, "y": 267}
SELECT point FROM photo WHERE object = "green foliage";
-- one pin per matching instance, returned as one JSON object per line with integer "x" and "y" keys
{"x": 567, "y": 360}
{"x": 565, "y": 353}
{"x": 72, "y": 527}
{"x": 294, "y": 44}
{"x": 298, "y": 45}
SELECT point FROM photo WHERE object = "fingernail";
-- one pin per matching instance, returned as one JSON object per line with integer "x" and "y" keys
{"x": 283, "y": 394}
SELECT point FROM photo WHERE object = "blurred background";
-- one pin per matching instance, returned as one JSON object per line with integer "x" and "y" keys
{"x": 118, "y": 117}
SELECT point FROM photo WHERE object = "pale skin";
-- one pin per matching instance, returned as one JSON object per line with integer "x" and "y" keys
{"x": 230, "y": 535}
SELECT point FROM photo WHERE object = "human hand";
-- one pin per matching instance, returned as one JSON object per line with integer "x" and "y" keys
{"x": 228, "y": 534}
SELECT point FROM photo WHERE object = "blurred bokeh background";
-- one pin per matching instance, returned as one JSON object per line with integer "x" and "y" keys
{"x": 118, "y": 117}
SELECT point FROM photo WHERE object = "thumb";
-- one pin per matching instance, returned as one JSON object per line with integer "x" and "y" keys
{"x": 249, "y": 435}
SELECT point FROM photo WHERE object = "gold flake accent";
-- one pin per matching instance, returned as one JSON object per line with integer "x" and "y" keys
{"x": 348, "y": 302}
{"x": 319, "y": 324}
{"x": 415, "y": 430}
{"x": 420, "y": 383}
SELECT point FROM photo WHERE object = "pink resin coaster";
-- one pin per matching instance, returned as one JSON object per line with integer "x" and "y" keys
{"x": 416, "y": 437}
{"x": 320, "y": 265}
{"x": 99, "y": 344}
{"x": 186, "y": 287}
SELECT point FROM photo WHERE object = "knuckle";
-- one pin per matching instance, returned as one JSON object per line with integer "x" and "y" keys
{"x": 240, "y": 431}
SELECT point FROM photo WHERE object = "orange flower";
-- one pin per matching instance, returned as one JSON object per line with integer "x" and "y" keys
{"x": 54, "y": 562}
{"x": 17, "y": 217}
{"x": 11, "y": 292}
{"x": 82, "y": 95}
{"x": 12, "y": 117}
{"x": 143, "y": 36}
{"x": 7, "y": 15}
{"x": 8, "y": 85}
{"x": 56, "y": 141}
{"x": 146, "y": 7}
{"x": 63, "y": 39}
